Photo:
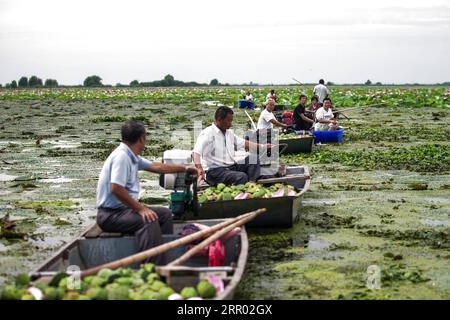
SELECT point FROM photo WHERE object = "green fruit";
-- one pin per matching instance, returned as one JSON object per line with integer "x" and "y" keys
{"x": 188, "y": 292}
{"x": 149, "y": 267}
{"x": 221, "y": 186}
{"x": 27, "y": 297}
{"x": 88, "y": 280}
{"x": 97, "y": 294}
{"x": 152, "y": 277}
{"x": 10, "y": 293}
{"x": 157, "y": 285}
{"x": 227, "y": 196}
{"x": 83, "y": 297}
{"x": 63, "y": 283}
{"x": 135, "y": 296}
{"x": 124, "y": 281}
{"x": 22, "y": 280}
{"x": 51, "y": 293}
{"x": 164, "y": 293}
{"x": 149, "y": 295}
{"x": 98, "y": 281}
{"x": 227, "y": 190}
{"x": 220, "y": 197}
{"x": 208, "y": 192}
{"x": 71, "y": 295}
{"x": 259, "y": 193}
{"x": 206, "y": 290}
{"x": 119, "y": 293}
{"x": 240, "y": 187}
{"x": 202, "y": 198}
{"x": 137, "y": 282}
{"x": 41, "y": 286}
{"x": 57, "y": 279}
{"x": 104, "y": 273}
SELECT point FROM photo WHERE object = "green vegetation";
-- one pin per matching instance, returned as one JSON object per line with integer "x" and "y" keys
{"x": 421, "y": 158}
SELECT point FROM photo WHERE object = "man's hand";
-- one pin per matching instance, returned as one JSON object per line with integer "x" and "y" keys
{"x": 193, "y": 171}
{"x": 200, "y": 172}
{"x": 147, "y": 214}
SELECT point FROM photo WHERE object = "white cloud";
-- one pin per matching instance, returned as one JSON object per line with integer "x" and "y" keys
{"x": 236, "y": 41}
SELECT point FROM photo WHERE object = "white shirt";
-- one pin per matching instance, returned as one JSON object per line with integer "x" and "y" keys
{"x": 121, "y": 168}
{"x": 249, "y": 97}
{"x": 321, "y": 114}
{"x": 264, "y": 120}
{"x": 217, "y": 149}
{"x": 321, "y": 91}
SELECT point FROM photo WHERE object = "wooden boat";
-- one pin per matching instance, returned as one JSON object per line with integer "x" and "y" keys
{"x": 94, "y": 247}
{"x": 300, "y": 144}
{"x": 281, "y": 212}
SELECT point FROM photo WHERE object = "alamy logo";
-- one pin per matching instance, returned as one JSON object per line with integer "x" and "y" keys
{"x": 74, "y": 278}
{"x": 373, "y": 277}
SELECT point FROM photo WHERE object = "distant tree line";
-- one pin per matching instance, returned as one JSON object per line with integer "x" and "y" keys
{"x": 32, "y": 82}
{"x": 169, "y": 81}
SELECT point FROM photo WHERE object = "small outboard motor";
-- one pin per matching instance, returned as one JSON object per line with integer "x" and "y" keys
{"x": 183, "y": 198}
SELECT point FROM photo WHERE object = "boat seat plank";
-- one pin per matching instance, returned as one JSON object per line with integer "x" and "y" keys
{"x": 97, "y": 232}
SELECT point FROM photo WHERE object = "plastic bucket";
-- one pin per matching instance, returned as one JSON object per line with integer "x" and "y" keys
{"x": 334, "y": 136}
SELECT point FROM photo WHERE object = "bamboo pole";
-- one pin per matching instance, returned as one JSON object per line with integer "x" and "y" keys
{"x": 138, "y": 257}
{"x": 214, "y": 237}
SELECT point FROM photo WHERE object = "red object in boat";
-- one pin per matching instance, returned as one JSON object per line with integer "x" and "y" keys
{"x": 216, "y": 254}
{"x": 287, "y": 118}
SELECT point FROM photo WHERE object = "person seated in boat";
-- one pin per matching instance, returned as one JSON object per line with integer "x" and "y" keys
{"x": 301, "y": 121}
{"x": 267, "y": 118}
{"x": 118, "y": 208}
{"x": 248, "y": 96}
{"x": 314, "y": 105}
{"x": 324, "y": 117}
{"x": 214, "y": 153}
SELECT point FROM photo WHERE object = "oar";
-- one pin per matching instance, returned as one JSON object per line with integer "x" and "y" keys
{"x": 199, "y": 247}
{"x": 301, "y": 85}
{"x": 251, "y": 120}
{"x": 138, "y": 257}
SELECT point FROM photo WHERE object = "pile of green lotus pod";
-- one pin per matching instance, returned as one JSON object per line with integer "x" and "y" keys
{"x": 250, "y": 190}
{"x": 107, "y": 284}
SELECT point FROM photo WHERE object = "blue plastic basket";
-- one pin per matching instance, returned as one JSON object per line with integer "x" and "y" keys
{"x": 334, "y": 136}
{"x": 246, "y": 104}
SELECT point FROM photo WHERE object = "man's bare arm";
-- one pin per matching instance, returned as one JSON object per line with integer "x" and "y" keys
{"x": 277, "y": 123}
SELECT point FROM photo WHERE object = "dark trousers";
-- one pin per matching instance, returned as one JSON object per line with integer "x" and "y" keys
{"x": 238, "y": 173}
{"x": 128, "y": 221}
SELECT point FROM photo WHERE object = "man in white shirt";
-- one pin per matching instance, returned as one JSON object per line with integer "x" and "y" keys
{"x": 267, "y": 118}
{"x": 321, "y": 91}
{"x": 118, "y": 208}
{"x": 248, "y": 96}
{"x": 214, "y": 153}
{"x": 325, "y": 118}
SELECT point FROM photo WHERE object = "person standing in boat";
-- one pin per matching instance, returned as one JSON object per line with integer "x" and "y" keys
{"x": 271, "y": 96}
{"x": 301, "y": 121}
{"x": 118, "y": 208}
{"x": 214, "y": 153}
{"x": 325, "y": 118}
{"x": 321, "y": 91}
{"x": 267, "y": 118}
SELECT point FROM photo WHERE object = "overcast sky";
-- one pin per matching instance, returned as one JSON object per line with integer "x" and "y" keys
{"x": 235, "y": 41}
